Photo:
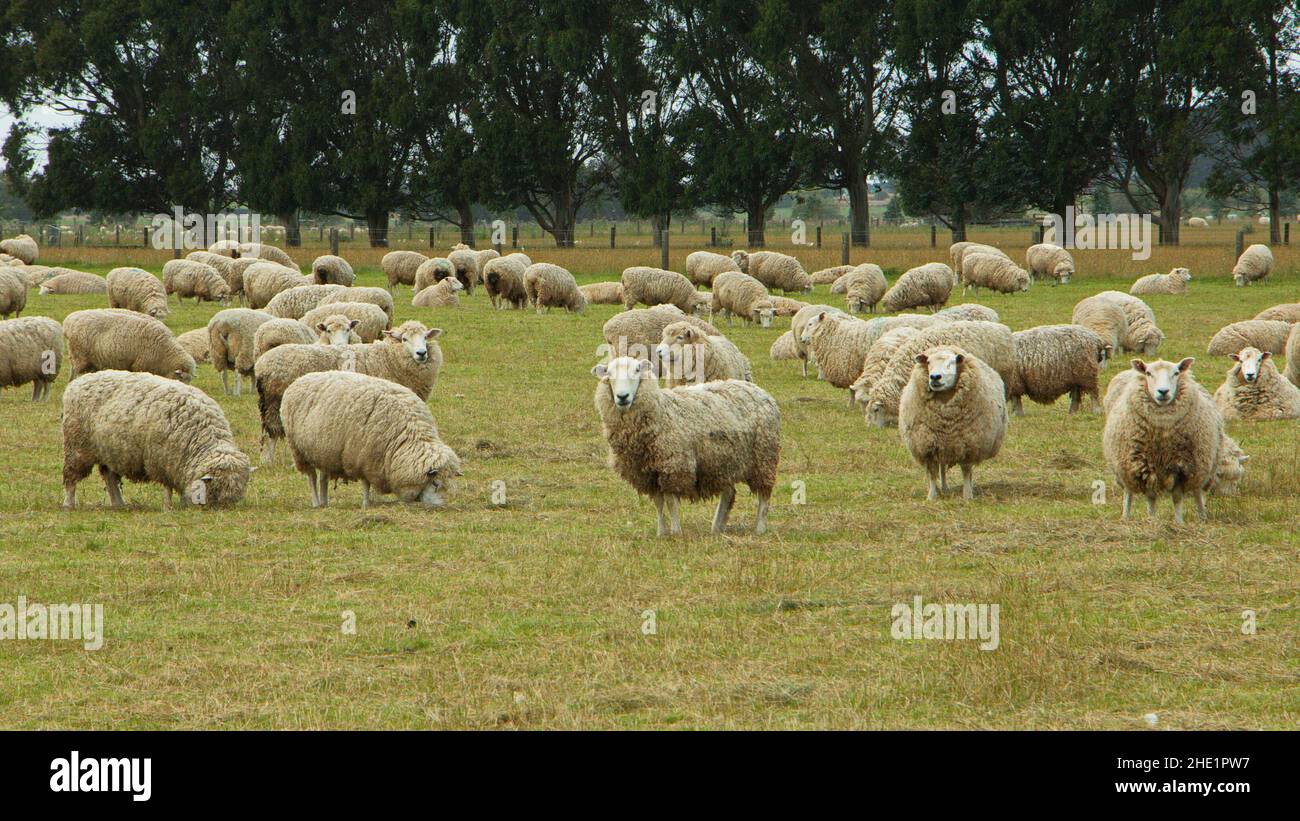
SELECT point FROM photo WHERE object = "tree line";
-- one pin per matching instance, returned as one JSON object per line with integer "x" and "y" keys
{"x": 427, "y": 108}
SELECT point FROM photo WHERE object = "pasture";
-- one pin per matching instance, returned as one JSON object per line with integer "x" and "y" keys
{"x": 560, "y": 609}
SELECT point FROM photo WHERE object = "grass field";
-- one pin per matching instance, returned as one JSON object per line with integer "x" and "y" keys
{"x": 531, "y": 614}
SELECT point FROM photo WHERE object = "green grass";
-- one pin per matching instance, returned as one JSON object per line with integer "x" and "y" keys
{"x": 530, "y": 615}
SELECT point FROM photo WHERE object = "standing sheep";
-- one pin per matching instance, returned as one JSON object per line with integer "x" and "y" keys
{"x": 703, "y": 266}
{"x": 263, "y": 280}
{"x": 550, "y": 286}
{"x": 277, "y": 332}
{"x": 1104, "y": 318}
{"x": 231, "y": 270}
{"x": 1254, "y": 265}
{"x": 464, "y": 263}
{"x": 829, "y": 276}
{"x": 482, "y": 258}
{"x": 877, "y": 360}
{"x": 1049, "y": 261}
{"x": 232, "y": 335}
{"x": 839, "y": 344}
{"x": 13, "y": 293}
{"x": 784, "y": 306}
{"x": 400, "y": 267}
{"x": 925, "y": 286}
{"x": 775, "y": 270}
{"x": 187, "y": 277}
{"x": 371, "y": 318}
{"x": 959, "y": 250}
{"x": 1292, "y": 354}
{"x": 600, "y": 293}
{"x": 137, "y": 290}
{"x": 693, "y": 356}
{"x": 117, "y": 339}
{"x": 1141, "y": 333}
{"x": 741, "y": 295}
{"x": 74, "y": 282}
{"x": 783, "y": 347}
{"x": 504, "y": 280}
{"x": 799, "y": 322}
{"x": 863, "y": 287}
{"x": 1264, "y": 334}
{"x": 968, "y": 312}
{"x": 1197, "y": 222}
{"x": 354, "y": 427}
{"x": 432, "y": 271}
{"x": 441, "y": 295}
{"x": 375, "y": 296}
{"x": 31, "y": 350}
{"x": 296, "y": 302}
{"x": 991, "y": 271}
{"x": 195, "y": 343}
{"x": 690, "y": 443}
{"x": 332, "y": 270}
{"x": 1174, "y": 282}
{"x": 655, "y": 286}
{"x": 21, "y": 247}
{"x": 1053, "y": 360}
{"x": 1255, "y": 391}
{"x": 952, "y": 412}
{"x": 635, "y": 333}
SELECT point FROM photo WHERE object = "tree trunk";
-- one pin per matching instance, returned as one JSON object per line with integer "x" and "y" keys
{"x": 565, "y": 220}
{"x": 377, "y": 227}
{"x": 959, "y": 226}
{"x": 1274, "y": 216}
{"x": 1170, "y": 213}
{"x": 754, "y": 229}
{"x": 859, "y": 210}
{"x": 660, "y": 223}
{"x": 292, "y": 230}
{"x": 465, "y": 212}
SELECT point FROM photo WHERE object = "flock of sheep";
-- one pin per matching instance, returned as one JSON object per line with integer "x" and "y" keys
{"x": 320, "y": 348}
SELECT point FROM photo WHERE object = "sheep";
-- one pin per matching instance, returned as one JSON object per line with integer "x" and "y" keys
{"x": 784, "y": 306}
{"x": 1049, "y": 262}
{"x": 1264, "y": 334}
{"x": 145, "y": 428}
{"x": 1231, "y": 468}
{"x": 1053, "y": 360}
{"x": 1254, "y": 264}
{"x": 992, "y": 343}
{"x": 1255, "y": 391}
{"x": 1140, "y": 331}
{"x": 31, "y": 275}
{"x": 1102, "y": 317}
{"x": 231, "y": 270}
{"x": 13, "y": 293}
{"x": 297, "y": 301}
{"x": 21, "y": 247}
{"x": 336, "y": 329}
{"x": 1163, "y": 434}
{"x": 371, "y": 318}
{"x": 955, "y": 252}
{"x": 332, "y": 270}
{"x": 883, "y": 324}
{"x": 414, "y": 362}
{"x": 31, "y": 350}
{"x": 635, "y": 333}
{"x": 839, "y": 344}
{"x": 953, "y": 411}
{"x": 432, "y": 271}
{"x": 550, "y": 286}
{"x": 1197, "y": 222}
{"x": 465, "y": 264}
{"x": 1286, "y": 312}
{"x": 103, "y": 339}
{"x": 693, "y": 356}
{"x": 599, "y": 293}
{"x": 863, "y": 287}
{"x": 959, "y": 250}
{"x": 187, "y": 277}
{"x": 797, "y": 324}
{"x": 8, "y": 261}
{"x": 877, "y": 360}
{"x": 1292, "y": 354}
{"x": 350, "y": 426}
{"x": 742, "y": 295}
{"x": 655, "y": 286}
{"x": 482, "y": 258}
{"x": 256, "y": 251}
{"x": 703, "y": 266}
{"x": 137, "y": 290}
{"x": 784, "y": 348}
{"x": 1174, "y": 282}
{"x": 992, "y": 271}
{"x": 232, "y": 336}
{"x": 692, "y": 443}
{"x": 828, "y": 276}
{"x": 375, "y": 296}
{"x": 196, "y": 344}
{"x": 503, "y": 278}
{"x": 968, "y": 312}
{"x": 400, "y": 267}
{"x": 74, "y": 282}
{"x": 925, "y": 286}
{"x": 277, "y": 332}
{"x": 441, "y": 295}
{"x": 263, "y": 280}
{"x": 775, "y": 270}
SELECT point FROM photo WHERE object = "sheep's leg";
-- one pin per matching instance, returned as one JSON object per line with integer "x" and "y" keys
{"x": 113, "y": 484}
{"x": 1096, "y": 400}
{"x": 311, "y": 482}
{"x": 1200, "y": 504}
{"x": 239, "y": 382}
{"x": 943, "y": 478}
{"x": 268, "y": 449}
{"x": 968, "y": 481}
{"x": 724, "y": 509}
{"x": 674, "y": 515}
{"x": 1151, "y": 504}
{"x": 365, "y": 494}
{"x": 324, "y": 484}
{"x": 1018, "y": 406}
{"x": 1128, "y": 503}
{"x": 167, "y": 498}
{"x": 1178, "y": 506}
{"x": 69, "y": 495}
{"x": 932, "y": 473}
{"x": 225, "y": 384}
{"x": 850, "y": 399}
{"x": 764, "y": 502}
{"x": 805, "y": 367}
{"x": 37, "y": 388}
{"x": 1074, "y": 400}
{"x": 661, "y": 524}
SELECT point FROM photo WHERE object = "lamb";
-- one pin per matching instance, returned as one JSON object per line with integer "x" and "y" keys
{"x": 465, "y": 263}
{"x": 839, "y": 344}
{"x": 118, "y": 339}
{"x": 828, "y": 276}
{"x": 599, "y": 293}
{"x": 925, "y": 286}
{"x": 263, "y": 280}
{"x": 703, "y": 266}
{"x": 13, "y": 293}
{"x": 187, "y": 277}
{"x": 863, "y": 287}
{"x": 75, "y": 282}
{"x": 414, "y": 362}
{"x": 1286, "y": 312}
{"x": 1231, "y": 468}
{"x": 375, "y": 296}
{"x": 693, "y": 356}
{"x": 277, "y": 332}
{"x": 432, "y": 271}
{"x": 372, "y": 321}
{"x": 390, "y": 442}
{"x": 1053, "y": 360}
{"x": 137, "y": 290}
{"x": 690, "y": 443}
{"x": 1141, "y": 333}
{"x": 655, "y": 286}
{"x": 1293, "y": 356}
{"x": 742, "y": 295}
{"x": 1163, "y": 434}
{"x": 784, "y": 348}
{"x": 968, "y": 312}
{"x": 1254, "y": 265}
{"x": 21, "y": 247}
{"x": 991, "y": 271}
{"x": 1255, "y": 391}
{"x": 991, "y": 342}
{"x": 952, "y": 412}
{"x": 799, "y": 322}
{"x": 877, "y": 360}
{"x": 441, "y": 295}
{"x": 1264, "y": 334}
{"x": 332, "y": 270}
{"x": 550, "y": 286}
{"x": 296, "y": 302}
{"x": 1049, "y": 262}
{"x": 635, "y": 333}
{"x": 504, "y": 280}
{"x": 232, "y": 335}
{"x": 142, "y": 427}
{"x": 31, "y": 350}
{"x": 1174, "y": 282}
{"x": 400, "y": 267}
{"x": 774, "y": 270}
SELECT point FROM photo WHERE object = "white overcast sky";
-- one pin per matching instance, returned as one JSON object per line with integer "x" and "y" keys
{"x": 42, "y": 117}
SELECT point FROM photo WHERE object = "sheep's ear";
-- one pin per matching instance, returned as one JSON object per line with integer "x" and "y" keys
{"x": 393, "y": 335}
{"x": 821, "y": 316}
{"x": 921, "y": 359}
{"x": 960, "y": 358}
{"x": 1186, "y": 364}
{"x": 253, "y": 469}
{"x": 1234, "y": 357}
{"x": 320, "y": 326}
{"x": 1265, "y": 355}
{"x": 1138, "y": 365}
{"x": 433, "y": 333}
{"x": 600, "y": 371}
{"x": 646, "y": 366}
{"x": 354, "y": 323}
{"x": 1243, "y": 459}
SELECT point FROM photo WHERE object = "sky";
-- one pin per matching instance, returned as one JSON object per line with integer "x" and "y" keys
{"x": 44, "y": 118}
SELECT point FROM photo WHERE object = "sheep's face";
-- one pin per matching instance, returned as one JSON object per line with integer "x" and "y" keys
{"x": 763, "y": 315}
{"x": 456, "y": 285}
{"x": 222, "y": 487}
{"x": 159, "y": 312}
{"x": 1064, "y": 271}
{"x": 337, "y": 330}
{"x": 675, "y": 337}
{"x": 1181, "y": 273}
{"x": 877, "y": 415}
{"x": 623, "y": 376}
{"x": 1249, "y": 361}
{"x": 415, "y": 342}
{"x": 942, "y": 367}
{"x": 704, "y": 308}
{"x": 811, "y": 325}
{"x": 182, "y": 375}
{"x": 1239, "y": 279}
{"x": 1104, "y": 355}
{"x": 1162, "y": 379}
{"x": 854, "y": 304}
{"x": 431, "y": 487}
{"x": 741, "y": 258}
{"x": 1151, "y": 343}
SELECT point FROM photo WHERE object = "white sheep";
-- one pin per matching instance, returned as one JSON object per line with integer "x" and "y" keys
{"x": 1174, "y": 282}
{"x": 375, "y": 296}
{"x": 277, "y": 332}
{"x": 703, "y": 266}
{"x": 741, "y": 295}
{"x": 191, "y": 278}
{"x": 332, "y": 270}
{"x": 959, "y": 250}
{"x": 863, "y": 287}
{"x": 118, "y": 339}
{"x": 784, "y": 348}
{"x": 1141, "y": 333}
{"x": 828, "y": 276}
{"x": 74, "y": 282}
{"x": 1264, "y": 334}
{"x": 21, "y": 247}
{"x": 1255, "y": 391}
{"x": 635, "y": 333}
{"x": 503, "y": 278}
{"x": 997, "y": 273}
{"x": 400, "y": 267}
{"x": 1286, "y": 312}
{"x": 13, "y": 293}
{"x": 466, "y": 265}
{"x": 1198, "y": 222}
{"x": 432, "y": 271}
{"x": 550, "y": 286}
{"x": 1292, "y": 354}
{"x": 296, "y": 302}
{"x": 256, "y": 251}
{"x": 439, "y": 295}
{"x": 694, "y": 356}
{"x": 775, "y": 270}
{"x": 371, "y": 319}
{"x": 231, "y": 270}
{"x": 601, "y": 293}
{"x": 195, "y": 343}
{"x": 31, "y": 350}
{"x": 137, "y": 290}
{"x": 839, "y": 345}
{"x": 1254, "y": 265}
{"x": 797, "y": 324}
{"x": 877, "y": 360}
{"x": 482, "y": 258}
{"x": 1055, "y": 360}
{"x": 925, "y": 286}
{"x": 968, "y": 312}
{"x": 263, "y": 280}
{"x": 232, "y": 335}
{"x": 655, "y": 286}
{"x": 1048, "y": 261}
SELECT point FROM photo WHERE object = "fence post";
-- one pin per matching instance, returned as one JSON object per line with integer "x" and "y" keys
{"x": 432, "y": 237}
{"x": 352, "y": 231}
{"x": 334, "y": 241}
{"x": 663, "y": 249}
{"x": 1286, "y": 233}
{"x": 117, "y": 235}
{"x": 613, "y": 233}
{"x": 713, "y": 236}
{"x": 514, "y": 236}
{"x": 1241, "y": 239}
{"x": 144, "y": 237}
{"x": 844, "y": 250}
{"x": 497, "y": 247}
{"x": 81, "y": 237}
{"x": 1042, "y": 232}
{"x": 819, "y": 236}
{"x": 934, "y": 236}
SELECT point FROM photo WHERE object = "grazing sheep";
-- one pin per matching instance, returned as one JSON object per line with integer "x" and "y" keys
{"x": 599, "y": 293}
{"x": 800, "y": 321}
{"x": 863, "y": 288}
{"x": 432, "y": 271}
{"x": 635, "y": 333}
{"x": 690, "y": 443}
{"x": 21, "y": 247}
{"x": 75, "y": 282}
{"x": 263, "y": 280}
{"x": 955, "y": 252}
{"x": 968, "y": 312}
{"x": 104, "y": 339}
{"x": 995, "y": 272}
{"x": 400, "y": 267}
{"x": 829, "y": 276}
{"x": 877, "y": 360}
{"x": 277, "y": 332}
{"x": 32, "y": 275}
{"x": 1053, "y": 360}
{"x": 296, "y": 302}
{"x": 784, "y": 306}
{"x": 354, "y": 427}
{"x": 693, "y": 356}
{"x": 332, "y": 270}
{"x": 232, "y": 336}
{"x": 1286, "y": 312}
{"x": 142, "y": 427}
{"x": 440, "y": 295}
{"x": 883, "y": 324}
{"x": 784, "y": 347}
{"x": 953, "y": 411}
{"x": 703, "y": 266}
{"x": 1292, "y": 354}
{"x": 775, "y": 270}
{"x": 1174, "y": 282}
{"x": 1198, "y": 222}
{"x": 959, "y": 250}
{"x": 925, "y": 286}
{"x": 655, "y": 286}
{"x": 504, "y": 280}
{"x": 187, "y": 277}
{"x": 839, "y": 344}
{"x": 1265, "y": 334}
{"x": 196, "y": 344}
{"x": 137, "y": 290}
{"x": 745, "y": 297}
{"x": 371, "y": 318}
{"x": 1102, "y": 317}
{"x": 465, "y": 264}
{"x": 1255, "y": 391}
{"x": 256, "y": 251}
{"x": 231, "y": 270}
{"x": 550, "y": 286}
{"x": 375, "y": 296}
{"x": 1049, "y": 261}
{"x": 13, "y": 293}
{"x": 1254, "y": 264}
{"x": 31, "y": 350}
{"x": 414, "y": 362}
{"x": 1140, "y": 331}
{"x": 1163, "y": 434}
